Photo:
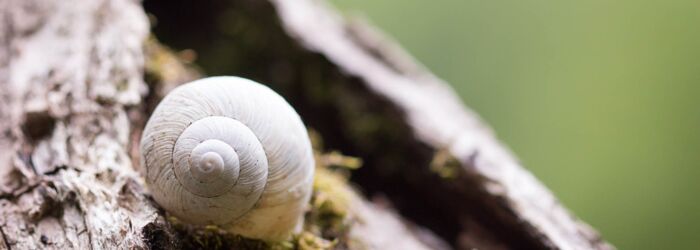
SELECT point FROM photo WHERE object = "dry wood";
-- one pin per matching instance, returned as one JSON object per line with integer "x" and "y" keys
{"x": 71, "y": 70}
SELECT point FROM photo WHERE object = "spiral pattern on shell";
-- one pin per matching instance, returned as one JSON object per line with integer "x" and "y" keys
{"x": 230, "y": 152}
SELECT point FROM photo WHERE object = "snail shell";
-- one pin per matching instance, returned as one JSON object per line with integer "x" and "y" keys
{"x": 230, "y": 152}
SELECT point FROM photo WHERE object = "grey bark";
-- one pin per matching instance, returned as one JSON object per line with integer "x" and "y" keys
{"x": 71, "y": 73}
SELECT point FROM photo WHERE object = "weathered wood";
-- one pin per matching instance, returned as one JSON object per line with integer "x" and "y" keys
{"x": 71, "y": 71}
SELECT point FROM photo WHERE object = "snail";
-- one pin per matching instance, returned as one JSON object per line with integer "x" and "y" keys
{"x": 230, "y": 152}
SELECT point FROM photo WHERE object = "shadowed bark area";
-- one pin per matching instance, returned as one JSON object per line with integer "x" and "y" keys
{"x": 425, "y": 153}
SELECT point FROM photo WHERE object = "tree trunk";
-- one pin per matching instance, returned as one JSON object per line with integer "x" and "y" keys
{"x": 78, "y": 79}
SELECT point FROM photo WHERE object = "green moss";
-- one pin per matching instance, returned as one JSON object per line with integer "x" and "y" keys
{"x": 329, "y": 205}
{"x": 210, "y": 237}
{"x": 327, "y": 222}
{"x": 335, "y": 159}
{"x": 163, "y": 66}
{"x": 445, "y": 164}
{"x": 158, "y": 58}
{"x": 309, "y": 241}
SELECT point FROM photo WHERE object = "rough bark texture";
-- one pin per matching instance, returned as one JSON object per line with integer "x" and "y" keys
{"x": 78, "y": 79}
{"x": 69, "y": 81}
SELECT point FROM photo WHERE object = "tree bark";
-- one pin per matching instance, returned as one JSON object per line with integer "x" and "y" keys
{"x": 71, "y": 73}
{"x": 78, "y": 79}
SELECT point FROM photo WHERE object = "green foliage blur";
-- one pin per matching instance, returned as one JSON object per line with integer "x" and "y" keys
{"x": 598, "y": 98}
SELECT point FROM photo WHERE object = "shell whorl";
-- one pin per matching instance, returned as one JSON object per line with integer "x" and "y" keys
{"x": 230, "y": 152}
{"x": 206, "y": 158}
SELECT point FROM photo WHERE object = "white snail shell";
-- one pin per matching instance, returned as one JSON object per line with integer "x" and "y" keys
{"x": 230, "y": 152}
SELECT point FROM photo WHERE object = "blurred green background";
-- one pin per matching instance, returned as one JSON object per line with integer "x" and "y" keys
{"x": 598, "y": 98}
